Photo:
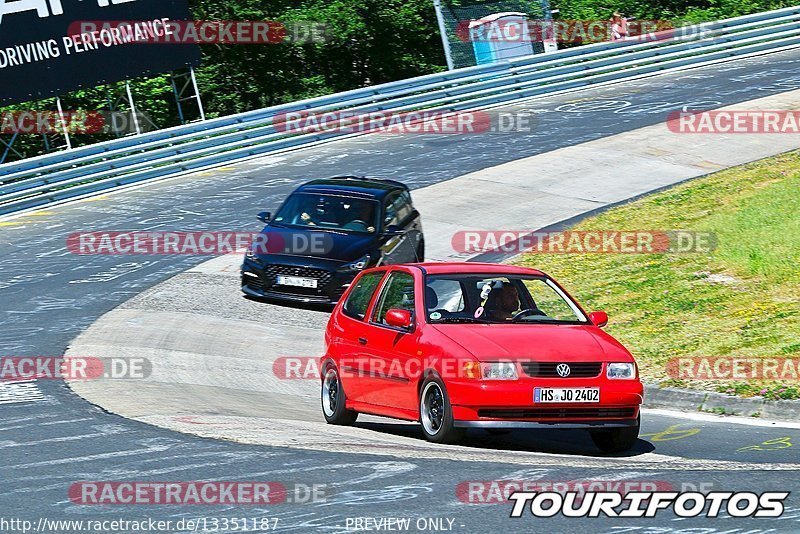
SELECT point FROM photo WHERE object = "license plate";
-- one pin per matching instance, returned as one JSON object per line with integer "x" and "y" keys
{"x": 543, "y": 395}
{"x": 297, "y": 281}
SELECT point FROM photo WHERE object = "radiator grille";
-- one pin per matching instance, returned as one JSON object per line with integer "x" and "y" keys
{"x": 548, "y": 369}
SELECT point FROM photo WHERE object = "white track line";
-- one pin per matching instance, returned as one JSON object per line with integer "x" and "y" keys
{"x": 725, "y": 419}
{"x": 16, "y": 392}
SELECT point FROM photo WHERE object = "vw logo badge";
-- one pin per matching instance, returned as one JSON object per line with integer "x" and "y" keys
{"x": 563, "y": 370}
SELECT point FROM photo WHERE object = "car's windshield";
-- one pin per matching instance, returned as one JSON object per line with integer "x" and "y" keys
{"x": 328, "y": 212}
{"x": 498, "y": 299}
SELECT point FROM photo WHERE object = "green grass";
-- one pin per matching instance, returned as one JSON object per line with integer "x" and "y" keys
{"x": 741, "y": 299}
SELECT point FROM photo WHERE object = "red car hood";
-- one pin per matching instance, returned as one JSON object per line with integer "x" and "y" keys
{"x": 542, "y": 342}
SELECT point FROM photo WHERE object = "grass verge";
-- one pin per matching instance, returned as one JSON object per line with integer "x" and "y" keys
{"x": 742, "y": 299}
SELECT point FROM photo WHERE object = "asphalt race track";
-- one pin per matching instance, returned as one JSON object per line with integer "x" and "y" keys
{"x": 50, "y": 438}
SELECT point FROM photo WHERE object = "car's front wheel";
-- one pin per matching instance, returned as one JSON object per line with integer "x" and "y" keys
{"x": 436, "y": 414}
{"x": 333, "y": 400}
{"x": 616, "y": 439}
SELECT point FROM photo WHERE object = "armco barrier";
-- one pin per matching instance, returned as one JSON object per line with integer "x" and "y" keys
{"x": 70, "y": 174}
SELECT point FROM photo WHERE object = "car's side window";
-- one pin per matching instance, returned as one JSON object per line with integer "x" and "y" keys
{"x": 444, "y": 294}
{"x": 403, "y": 206}
{"x": 398, "y": 292}
{"x": 358, "y": 300}
{"x": 390, "y": 211}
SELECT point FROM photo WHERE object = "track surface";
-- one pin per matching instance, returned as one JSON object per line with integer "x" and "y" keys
{"x": 50, "y": 438}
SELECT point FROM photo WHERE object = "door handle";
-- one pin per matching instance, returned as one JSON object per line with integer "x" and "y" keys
{"x": 362, "y": 340}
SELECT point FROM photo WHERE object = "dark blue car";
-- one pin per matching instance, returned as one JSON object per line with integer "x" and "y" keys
{"x": 325, "y": 233}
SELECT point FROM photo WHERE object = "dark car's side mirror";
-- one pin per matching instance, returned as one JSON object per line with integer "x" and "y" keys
{"x": 599, "y": 318}
{"x": 398, "y": 318}
{"x": 264, "y": 216}
{"x": 393, "y": 230}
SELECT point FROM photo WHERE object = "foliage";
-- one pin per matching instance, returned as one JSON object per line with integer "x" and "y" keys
{"x": 742, "y": 299}
{"x": 673, "y": 10}
{"x": 370, "y": 42}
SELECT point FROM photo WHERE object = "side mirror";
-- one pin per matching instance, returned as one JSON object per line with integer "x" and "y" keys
{"x": 393, "y": 230}
{"x": 264, "y": 216}
{"x": 398, "y": 318}
{"x": 599, "y": 318}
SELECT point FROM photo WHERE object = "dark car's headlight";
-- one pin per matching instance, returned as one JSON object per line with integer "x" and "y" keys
{"x": 621, "y": 371}
{"x": 252, "y": 256}
{"x": 359, "y": 265}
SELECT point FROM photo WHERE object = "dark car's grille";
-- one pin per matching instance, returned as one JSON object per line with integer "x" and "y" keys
{"x": 271, "y": 272}
{"x": 559, "y": 413}
{"x": 548, "y": 369}
{"x": 254, "y": 282}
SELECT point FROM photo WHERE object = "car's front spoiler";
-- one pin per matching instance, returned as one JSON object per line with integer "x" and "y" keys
{"x": 613, "y": 423}
{"x": 288, "y": 297}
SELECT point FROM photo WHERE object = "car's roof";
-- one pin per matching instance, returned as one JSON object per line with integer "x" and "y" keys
{"x": 353, "y": 185}
{"x": 476, "y": 268}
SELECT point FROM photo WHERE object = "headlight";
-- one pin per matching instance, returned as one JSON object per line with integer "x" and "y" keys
{"x": 621, "y": 371}
{"x": 499, "y": 371}
{"x": 250, "y": 255}
{"x": 359, "y": 265}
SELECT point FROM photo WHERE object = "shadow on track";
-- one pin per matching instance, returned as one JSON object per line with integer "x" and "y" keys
{"x": 570, "y": 442}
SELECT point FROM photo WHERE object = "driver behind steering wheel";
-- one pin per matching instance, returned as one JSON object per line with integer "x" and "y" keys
{"x": 503, "y": 303}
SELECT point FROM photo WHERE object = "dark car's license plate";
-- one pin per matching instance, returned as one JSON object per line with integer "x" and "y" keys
{"x": 297, "y": 281}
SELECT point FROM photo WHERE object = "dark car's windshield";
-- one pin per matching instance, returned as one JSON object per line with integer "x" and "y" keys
{"x": 329, "y": 212}
{"x": 498, "y": 299}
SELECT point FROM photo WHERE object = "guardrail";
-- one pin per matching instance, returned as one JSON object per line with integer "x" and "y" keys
{"x": 75, "y": 173}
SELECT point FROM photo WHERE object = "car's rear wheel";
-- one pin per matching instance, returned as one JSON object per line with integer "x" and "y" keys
{"x": 333, "y": 400}
{"x": 420, "y": 252}
{"x": 436, "y": 414}
{"x": 616, "y": 439}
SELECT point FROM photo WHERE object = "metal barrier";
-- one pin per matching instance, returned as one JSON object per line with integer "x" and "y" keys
{"x": 71, "y": 174}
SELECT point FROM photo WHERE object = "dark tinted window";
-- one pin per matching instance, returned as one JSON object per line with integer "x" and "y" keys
{"x": 357, "y": 302}
{"x": 403, "y": 206}
{"x": 398, "y": 292}
{"x": 390, "y": 210}
{"x": 327, "y": 211}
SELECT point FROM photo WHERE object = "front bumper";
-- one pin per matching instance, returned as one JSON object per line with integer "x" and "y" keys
{"x": 260, "y": 281}
{"x": 582, "y": 425}
{"x": 510, "y": 404}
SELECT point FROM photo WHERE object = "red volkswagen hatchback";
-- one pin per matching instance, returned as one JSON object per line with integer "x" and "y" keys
{"x": 470, "y": 345}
